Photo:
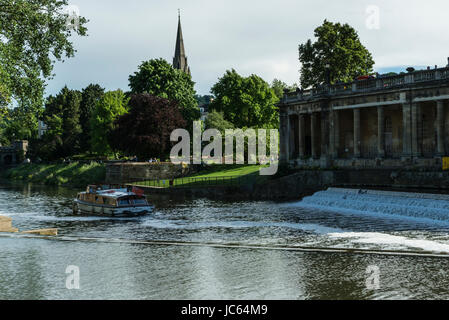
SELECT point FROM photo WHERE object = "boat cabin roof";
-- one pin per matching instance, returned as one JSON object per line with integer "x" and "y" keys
{"x": 112, "y": 193}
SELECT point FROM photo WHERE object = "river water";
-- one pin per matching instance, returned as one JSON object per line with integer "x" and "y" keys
{"x": 130, "y": 259}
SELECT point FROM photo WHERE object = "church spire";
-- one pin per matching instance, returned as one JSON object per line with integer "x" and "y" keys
{"x": 180, "y": 59}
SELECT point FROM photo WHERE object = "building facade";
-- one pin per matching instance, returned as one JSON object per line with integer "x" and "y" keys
{"x": 388, "y": 121}
{"x": 10, "y": 155}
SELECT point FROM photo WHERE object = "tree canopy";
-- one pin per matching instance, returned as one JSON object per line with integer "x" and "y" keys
{"x": 33, "y": 34}
{"x": 157, "y": 77}
{"x": 215, "y": 120}
{"x": 337, "y": 45}
{"x": 112, "y": 105}
{"x": 278, "y": 86}
{"x": 61, "y": 116}
{"x": 245, "y": 101}
{"x": 145, "y": 131}
{"x": 91, "y": 95}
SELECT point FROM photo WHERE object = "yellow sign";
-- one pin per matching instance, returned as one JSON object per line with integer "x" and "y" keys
{"x": 445, "y": 163}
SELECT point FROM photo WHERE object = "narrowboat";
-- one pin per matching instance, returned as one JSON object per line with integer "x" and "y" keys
{"x": 113, "y": 201}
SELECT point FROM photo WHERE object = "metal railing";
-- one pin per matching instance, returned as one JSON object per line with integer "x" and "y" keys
{"x": 198, "y": 182}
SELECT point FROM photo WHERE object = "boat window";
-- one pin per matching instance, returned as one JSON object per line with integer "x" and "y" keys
{"x": 123, "y": 202}
{"x": 140, "y": 201}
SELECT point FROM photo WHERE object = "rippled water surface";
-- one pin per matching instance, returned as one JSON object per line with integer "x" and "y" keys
{"x": 35, "y": 268}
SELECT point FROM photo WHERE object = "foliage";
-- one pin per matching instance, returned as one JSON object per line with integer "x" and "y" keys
{"x": 108, "y": 109}
{"x": 4, "y": 119}
{"x": 158, "y": 78}
{"x": 215, "y": 120}
{"x": 33, "y": 34}
{"x": 145, "y": 131}
{"x": 278, "y": 86}
{"x": 74, "y": 174}
{"x": 337, "y": 45}
{"x": 203, "y": 100}
{"x": 245, "y": 102}
{"x": 61, "y": 116}
{"x": 91, "y": 95}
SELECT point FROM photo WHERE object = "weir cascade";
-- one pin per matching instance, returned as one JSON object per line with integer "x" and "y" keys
{"x": 360, "y": 201}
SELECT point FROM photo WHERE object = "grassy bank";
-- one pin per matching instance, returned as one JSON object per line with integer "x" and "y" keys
{"x": 74, "y": 174}
{"x": 215, "y": 175}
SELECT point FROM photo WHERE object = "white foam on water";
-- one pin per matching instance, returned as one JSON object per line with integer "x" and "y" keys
{"x": 391, "y": 240}
{"x": 426, "y": 208}
{"x": 191, "y": 225}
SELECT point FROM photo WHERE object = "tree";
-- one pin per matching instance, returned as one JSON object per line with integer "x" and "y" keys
{"x": 108, "y": 109}
{"x": 145, "y": 131}
{"x": 278, "y": 86}
{"x": 61, "y": 116}
{"x": 157, "y": 77}
{"x": 339, "y": 47}
{"x": 215, "y": 120}
{"x": 91, "y": 95}
{"x": 245, "y": 102}
{"x": 4, "y": 119}
{"x": 33, "y": 34}
{"x": 203, "y": 100}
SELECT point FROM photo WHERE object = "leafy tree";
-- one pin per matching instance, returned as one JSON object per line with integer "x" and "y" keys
{"x": 215, "y": 120}
{"x": 91, "y": 95}
{"x": 157, "y": 77}
{"x": 278, "y": 86}
{"x": 4, "y": 119}
{"x": 245, "y": 102}
{"x": 337, "y": 45}
{"x": 33, "y": 33}
{"x": 203, "y": 100}
{"x": 145, "y": 131}
{"x": 61, "y": 116}
{"x": 108, "y": 109}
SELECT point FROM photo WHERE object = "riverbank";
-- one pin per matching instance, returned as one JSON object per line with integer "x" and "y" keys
{"x": 75, "y": 174}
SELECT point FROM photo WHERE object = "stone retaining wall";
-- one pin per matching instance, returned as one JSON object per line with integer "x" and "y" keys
{"x": 131, "y": 172}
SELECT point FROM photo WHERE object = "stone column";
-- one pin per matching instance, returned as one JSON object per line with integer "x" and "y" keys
{"x": 381, "y": 132}
{"x": 324, "y": 134}
{"x": 357, "y": 137}
{"x": 407, "y": 131}
{"x": 334, "y": 134}
{"x": 416, "y": 152}
{"x": 284, "y": 138}
{"x": 313, "y": 129}
{"x": 302, "y": 136}
{"x": 440, "y": 128}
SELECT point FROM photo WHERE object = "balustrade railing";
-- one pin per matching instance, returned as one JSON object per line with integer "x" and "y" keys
{"x": 379, "y": 83}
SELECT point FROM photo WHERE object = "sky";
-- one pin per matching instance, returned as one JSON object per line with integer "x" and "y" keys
{"x": 251, "y": 36}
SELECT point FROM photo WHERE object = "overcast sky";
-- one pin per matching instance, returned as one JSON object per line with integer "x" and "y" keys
{"x": 252, "y": 36}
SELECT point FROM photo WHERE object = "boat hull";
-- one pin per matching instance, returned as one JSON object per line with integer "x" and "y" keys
{"x": 92, "y": 209}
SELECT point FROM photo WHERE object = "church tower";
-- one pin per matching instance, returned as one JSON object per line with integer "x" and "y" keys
{"x": 180, "y": 59}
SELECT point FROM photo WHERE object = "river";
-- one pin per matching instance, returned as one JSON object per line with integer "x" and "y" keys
{"x": 138, "y": 258}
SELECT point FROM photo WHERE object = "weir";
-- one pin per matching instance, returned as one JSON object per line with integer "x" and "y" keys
{"x": 359, "y": 201}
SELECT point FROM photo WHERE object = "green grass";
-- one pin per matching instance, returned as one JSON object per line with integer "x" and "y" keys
{"x": 73, "y": 174}
{"x": 215, "y": 175}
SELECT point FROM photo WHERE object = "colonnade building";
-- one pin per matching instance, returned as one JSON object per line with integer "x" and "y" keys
{"x": 387, "y": 121}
